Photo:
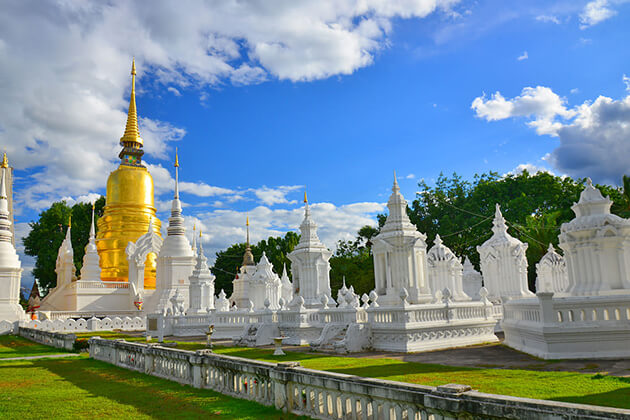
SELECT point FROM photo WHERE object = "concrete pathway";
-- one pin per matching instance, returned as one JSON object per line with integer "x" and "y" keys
{"x": 49, "y": 356}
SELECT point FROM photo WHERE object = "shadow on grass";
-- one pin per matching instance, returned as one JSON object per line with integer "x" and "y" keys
{"x": 152, "y": 396}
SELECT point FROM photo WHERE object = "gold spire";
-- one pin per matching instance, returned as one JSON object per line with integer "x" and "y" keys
{"x": 247, "y": 221}
{"x": 5, "y": 161}
{"x": 305, "y": 199}
{"x": 70, "y": 221}
{"x": 176, "y": 159}
{"x": 132, "y": 135}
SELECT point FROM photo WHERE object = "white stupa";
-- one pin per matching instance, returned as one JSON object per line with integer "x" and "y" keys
{"x": 201, "y": 289}
{"x": 10, "y": 265}
{"x": 400, "y": 258}
{"x": 175, "y": 261}
{"x": 445, "y": 270}
{"x": 91, "y": 270}
{"x": 503, "y": 262}
{"x": 309, "y": 263}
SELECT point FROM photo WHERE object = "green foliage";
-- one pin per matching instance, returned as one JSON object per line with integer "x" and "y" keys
{"x": 535, "y": 206}
{"x": 47, "y": 234}
{"x": 353, "y": 260}
{"x": 228, "y": 261}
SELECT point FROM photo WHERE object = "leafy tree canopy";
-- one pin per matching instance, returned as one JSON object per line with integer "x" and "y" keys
{"x": 47, "y": 234}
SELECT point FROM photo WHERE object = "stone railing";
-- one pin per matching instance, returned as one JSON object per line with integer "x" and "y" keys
{"x": 91, "y": 324}
{"x": 325, "y": 395}
{"x": 53, "y": 315}
{"x": 428, "y": 313}
{"x": 53, "y": 339}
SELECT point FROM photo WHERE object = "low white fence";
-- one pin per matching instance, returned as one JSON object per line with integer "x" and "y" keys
{"x": 85, "y": 325}
{"x": 53, "y": 339}
{"x": 325, "y": 395}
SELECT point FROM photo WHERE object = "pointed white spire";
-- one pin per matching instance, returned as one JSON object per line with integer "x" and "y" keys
{"x": 308, "y": 229}
{"x": 194, "y": 238}
{"x": 176, "y": 221}
{"x": 91, "y": 270}
{"x": 397, "y": 219}
{"x": 498, "y": 224}
{"x": 5, "y": 223}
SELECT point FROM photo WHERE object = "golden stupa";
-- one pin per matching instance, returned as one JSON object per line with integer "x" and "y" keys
{"x": 129, "y": 204}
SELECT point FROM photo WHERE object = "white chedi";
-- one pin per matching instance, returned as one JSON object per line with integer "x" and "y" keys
{"x": 287, "y": 286}
{"x": 10, "y": 265}
{"x": 222, "y": 304}
{"x": 265, "y": 285}
{"x": 503, "y": 262}
{"x": 64, "y": 266}
{"x": 309, "y": 264}
{"x": 201, "y": 288}
{"x": 175, "y": 261}
{"x": 400, "y": 259}
{"x": 596, "y": 247}
{"x": 472, "y": 280}
{"x": 445, "y": 271}
{"x": 551, "y": 272}
{"x": 91, "y": 269}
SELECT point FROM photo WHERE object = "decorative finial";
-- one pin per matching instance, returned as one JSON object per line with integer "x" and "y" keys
{"x": 176, "y": 175}
{"x": 589, "y": 182}
{"x": 438, "y": 240}
{"x": 5, "y": 161}
{"x": 176, "y": 159}
{"x": 395, "y": 188}
{"x": 70, "y": 221}
{"x": 247, "y": 221}
{"x": 132, "y": 134}
{"x": 92, "y": 231}
{"x": 305, "y": 199}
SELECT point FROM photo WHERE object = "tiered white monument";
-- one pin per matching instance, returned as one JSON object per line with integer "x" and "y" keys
{"x": 400, "y": 256}
{"x": 266, "y": 285}
{"x": 551, "y": 272}
{"x": 445, "y": 270}
{"x": 471, "y": 280}
{"x": 503, "y": 263}
{"x": 241, "y": 284}
{"x": 201, "y": 281}
{"x": 309, "y": 264}
{"x": 10, "y": 267}
{"x": 591, "y": 318}
{"x": 175, "y": 261}
{"x": 91, "y": 270}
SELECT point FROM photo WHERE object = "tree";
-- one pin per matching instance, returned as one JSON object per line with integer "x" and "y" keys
{"x": 354, "y": 261}
{"x": 47, "y": 234}
{"x": 228, "y": 261}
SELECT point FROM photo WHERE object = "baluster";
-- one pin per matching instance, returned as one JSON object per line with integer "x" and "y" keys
{"x": 398, "y": 412}
{"x": 364, "y": 409}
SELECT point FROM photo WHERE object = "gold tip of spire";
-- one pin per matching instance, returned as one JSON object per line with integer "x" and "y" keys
{"x": 247, "y": 221}
{"x": 199, "y": 233}
{"x": 70, "y": 221}
{"x": 305, "y": 199}
{"x": 194, "y": 226}
{"x": 5, "y": 161}
{"x": 176, "y": 159}
{"x": 132, "y": 134}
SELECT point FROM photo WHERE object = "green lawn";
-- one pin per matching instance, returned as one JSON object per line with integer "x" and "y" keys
{"x": 83, "y": 388}
{"x": 14, "y": 346}
{"x": 547, "y": 385}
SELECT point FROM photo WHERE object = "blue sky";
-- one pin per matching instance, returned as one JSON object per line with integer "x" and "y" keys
{"x": 265, "y": 100}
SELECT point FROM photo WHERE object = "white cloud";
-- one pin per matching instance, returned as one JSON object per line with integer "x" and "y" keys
{"x": 64, "y": 80}
{"x": 594, "y": 12}
{"x": 592, "y": 136}
{"x": 531, "y": 168}
{"x": 523, "y": 56}
{"x": 540, "y": 102}
{"x": 174, "y": 91}
{"x": 164, "y": 182}
{"x": 574, "y": 91}
{"x": 548, "y": 19}
{"x": 278, "y": 195}
{"x": 626, "y": 81}
{"x": 410, "y": 176}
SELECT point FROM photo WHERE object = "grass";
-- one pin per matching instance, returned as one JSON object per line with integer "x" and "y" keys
{"x": 14, "y": 346}
{"x": 83, "y": 388}
{"x": 547, "y": 385}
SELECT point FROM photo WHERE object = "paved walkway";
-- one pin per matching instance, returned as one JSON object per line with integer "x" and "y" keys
{"x": 49, "y": 356}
